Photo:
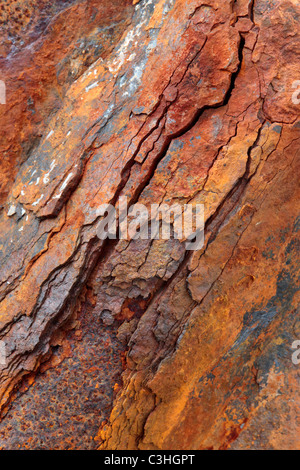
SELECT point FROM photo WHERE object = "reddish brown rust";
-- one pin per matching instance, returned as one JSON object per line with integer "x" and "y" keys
{"x": 142, "y": 344}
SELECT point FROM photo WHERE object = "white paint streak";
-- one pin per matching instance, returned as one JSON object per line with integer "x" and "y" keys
{"x": 63, "y": 186}
{"x": 65, "y": 183}
{"x": 38, "y": 201}
{"x": 46, "y": 177}
{"x": 11, "y": 211}
{"x": 90, "y": 87}
{"x": 49, "y": 135}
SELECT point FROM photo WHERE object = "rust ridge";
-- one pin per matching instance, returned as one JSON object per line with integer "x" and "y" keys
{"x": 141, "y": 343}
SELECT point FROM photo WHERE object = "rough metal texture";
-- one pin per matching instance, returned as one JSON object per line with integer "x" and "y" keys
{"x": 142, "y": 345}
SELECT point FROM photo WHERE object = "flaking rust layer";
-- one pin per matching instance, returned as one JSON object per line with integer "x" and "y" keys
{"x": 142, "y": 344}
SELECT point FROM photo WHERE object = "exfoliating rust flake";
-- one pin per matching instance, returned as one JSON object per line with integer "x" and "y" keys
{"x": 149, "y": 225}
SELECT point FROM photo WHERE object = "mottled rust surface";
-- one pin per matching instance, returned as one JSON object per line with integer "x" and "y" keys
{"x": 142, "y": 344}
{"x": 44, "y": 47}
{"x": 67, "y": 403}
